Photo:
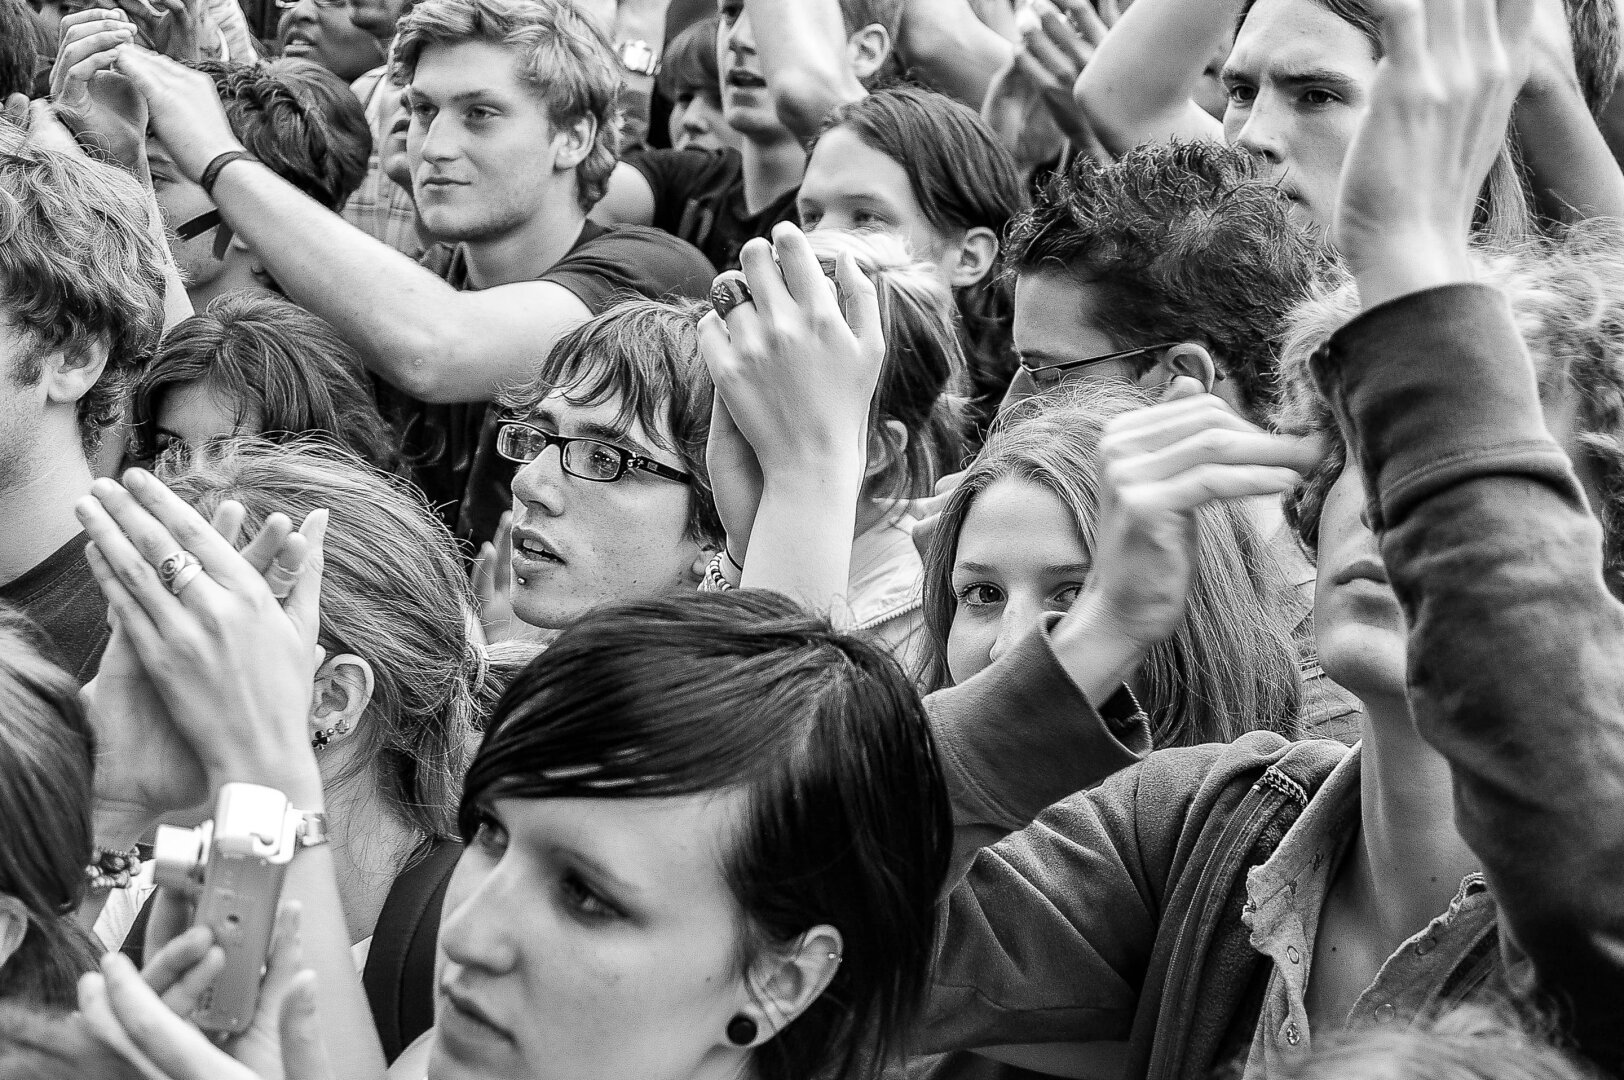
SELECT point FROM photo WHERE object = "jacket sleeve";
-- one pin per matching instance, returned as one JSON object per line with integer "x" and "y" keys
{"x": 1516, "y": 648}
{"x": 1018, "y": 737}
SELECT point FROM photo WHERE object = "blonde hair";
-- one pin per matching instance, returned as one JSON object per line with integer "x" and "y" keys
{"x": 393, "y": 592}
{"x": 1230, "y": 667}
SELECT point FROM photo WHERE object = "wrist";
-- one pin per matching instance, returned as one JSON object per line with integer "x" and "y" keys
{"x": 1097, "y": 653}
{"x": 299, "y": 780}
{"x": 195, "y": 162}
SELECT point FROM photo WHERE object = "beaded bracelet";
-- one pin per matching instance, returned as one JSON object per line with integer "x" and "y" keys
{"x": 715, "y": 579}
{"x": 113, "y": 869}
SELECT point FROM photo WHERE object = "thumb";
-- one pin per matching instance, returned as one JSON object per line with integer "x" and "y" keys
{"x": 304, "y": 1057}
{"x": 1183, "y": 386}
{"x": 303, "y": 603}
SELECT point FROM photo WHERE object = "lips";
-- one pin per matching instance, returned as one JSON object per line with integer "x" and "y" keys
{"x": 741, "y": 79}
{"x": 469, "y": 1012}
{"x": 533, "y": 554}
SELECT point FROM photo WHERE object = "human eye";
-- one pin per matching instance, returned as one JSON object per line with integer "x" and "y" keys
{"x": 1067, "y": 595}
{"x": 600, "y": 459}
{"x": 729, "y": 11}
{"x": 421, "y": 110}
{"x": 584, "y": 900}
{"x": 868, "y": 219}
{"x": 1318, "y": 96}
{"x": 980, "y": 594}
{"x": 491, "y": 836}
{"x": 810, "y": 216}
{"x": 481, "y": 114}
{"x": 1240, "y": 93}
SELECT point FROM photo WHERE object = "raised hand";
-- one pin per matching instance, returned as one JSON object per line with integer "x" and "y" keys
{"x": 182, "y": 105}
{"x": 232, "y": 664}
{"x": 1159, "y": 466}
{"x": 1439, "y": 107}
{"x": 795, "y": 368}
{"x": 1030, "y": 104}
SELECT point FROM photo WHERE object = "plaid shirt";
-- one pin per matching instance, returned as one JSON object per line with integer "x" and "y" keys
{"x": 380, "y": 207}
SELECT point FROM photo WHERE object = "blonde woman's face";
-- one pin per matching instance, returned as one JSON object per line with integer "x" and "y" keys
{"x": 1020, "y": 554}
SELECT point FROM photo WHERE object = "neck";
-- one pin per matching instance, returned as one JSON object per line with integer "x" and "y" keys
{"x": 770, "y": 170}
{"x": 370, "y": 846}
{"x": 40, "y": 504}
{"x": 1410, "y": 859}
{"x": 527, "y": 252}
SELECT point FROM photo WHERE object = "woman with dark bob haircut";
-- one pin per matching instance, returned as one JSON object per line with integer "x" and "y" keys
{"x": 706, "y": 837}
{"x": 250, "y": 364}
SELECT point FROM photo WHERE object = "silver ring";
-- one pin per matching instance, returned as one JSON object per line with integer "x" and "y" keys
{"x": 171, "y": 569}
{"x": 187, "y": 575}
{"x": 281, "y": 580}
{"x": 729, "y": 291}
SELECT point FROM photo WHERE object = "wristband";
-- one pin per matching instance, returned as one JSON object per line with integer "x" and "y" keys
{"x": 211, "y": 171}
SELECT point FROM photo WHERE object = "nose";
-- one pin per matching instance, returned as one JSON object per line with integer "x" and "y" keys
{"x": 1020, "y": 615}
{"x": 739, "y": 37}
{"x": 1262, "y": 133}
{"x": 439, "y": 140}
{"x": 540, "y": 483}
{"x": 473, "y": 933}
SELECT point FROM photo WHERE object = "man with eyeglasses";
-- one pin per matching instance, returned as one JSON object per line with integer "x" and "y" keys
{"x": 611, "y": 500}
{"x": 513, "y": 135}
{"x": 1179, "y": 259}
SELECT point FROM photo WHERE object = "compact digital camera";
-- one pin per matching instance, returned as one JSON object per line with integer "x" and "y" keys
{"x": 233, "y": 868}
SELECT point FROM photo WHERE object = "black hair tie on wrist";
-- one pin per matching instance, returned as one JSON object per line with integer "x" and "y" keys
{"x": 211, "y": 171}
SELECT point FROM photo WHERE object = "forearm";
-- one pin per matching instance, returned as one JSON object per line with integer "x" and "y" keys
{"x": 399, "y": 316}
{"x": 802, "y": 44}
{"x": 1137, "y": 87}
{"x": 1020, "y": 736}
{"x": 1513, "y": 636}
{"x": 951, "y": 49}
{"x": 801, "y": 541}
{"x": 1574, "y": 172}
{"x": 643, "y": 21}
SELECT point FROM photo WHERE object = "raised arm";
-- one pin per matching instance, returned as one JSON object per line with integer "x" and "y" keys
{"x": 803, "y": 56}
{"x": 947, "y": 45}
{"x": 414, "y": 330}
{"x": 1485, "y": 532}
{"x": 1137, "y": 87}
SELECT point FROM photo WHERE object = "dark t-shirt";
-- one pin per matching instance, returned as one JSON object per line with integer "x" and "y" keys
{"x": 453, "y": 447}
{"x": 699, "y": 197}
{"x": 62, "y": 598}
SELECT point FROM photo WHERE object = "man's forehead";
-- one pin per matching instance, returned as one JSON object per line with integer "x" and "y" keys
{"x": 606, "y": 414}
{"x": 1282, "y": 39}
{"x": 468, "y": 68}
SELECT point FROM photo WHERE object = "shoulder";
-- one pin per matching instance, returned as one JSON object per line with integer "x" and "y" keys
{"x": 687, "y": 168}
{"x": 638, "y": 259}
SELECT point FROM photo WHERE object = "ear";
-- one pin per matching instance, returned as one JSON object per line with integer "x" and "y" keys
{"x": 978, "y": 254}
{"x": 70, "y": 376}
{"x": 867, "y": 49}
{"x": 780, "y": 987}
{"x": 1189, "y": 359}
{"x": 574, "y": 143}
{"x": 886, "y": 445}
{"x": 13, "y": 926}
{"x": 343, "y": 690}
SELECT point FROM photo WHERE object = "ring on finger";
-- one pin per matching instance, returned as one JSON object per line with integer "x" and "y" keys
{"x": 728, "y": 291}
{"x": 281, "y": 580}
{"x": 178, "y": 570}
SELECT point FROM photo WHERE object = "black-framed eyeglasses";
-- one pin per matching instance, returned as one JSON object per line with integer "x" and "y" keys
{"x": 1050, "y": 374}
{"x": 589, "y": 459}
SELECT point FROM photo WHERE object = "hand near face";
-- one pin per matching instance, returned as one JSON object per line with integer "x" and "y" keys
{"x": 183, "y": 107}
{"x": 797, "y": 366}
{"x": 1159, "y": 466}
{"x": 1439, "y": 107}
{"x": 1056, "y": 43}
{"x": 224, "y": 648}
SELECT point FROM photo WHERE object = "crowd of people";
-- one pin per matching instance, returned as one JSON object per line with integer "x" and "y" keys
{"x": 1085, "y": 539}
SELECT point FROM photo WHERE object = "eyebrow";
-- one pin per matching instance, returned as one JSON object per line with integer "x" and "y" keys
{"x": 1055, "y": 569}
{"x": 1326, "y": 77}
{"x": 589, "y": 429}
{"x": 598, "y": 870}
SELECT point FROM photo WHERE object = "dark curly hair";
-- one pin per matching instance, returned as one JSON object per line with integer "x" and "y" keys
{"x": 1188, "y": 242}
{"x": 1567, "y": 299}
{"x": 301, "y": 120}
